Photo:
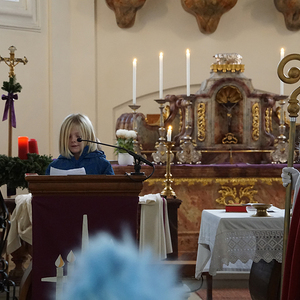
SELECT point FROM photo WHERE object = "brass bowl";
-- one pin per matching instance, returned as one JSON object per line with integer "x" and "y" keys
{"x": 261, "y": 209}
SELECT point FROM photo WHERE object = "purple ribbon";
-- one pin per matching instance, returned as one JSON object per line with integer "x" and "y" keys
{"x": 10, "y": 104}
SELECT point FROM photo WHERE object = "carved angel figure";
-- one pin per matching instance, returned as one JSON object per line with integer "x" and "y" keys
{"x": 125, "y": 11}
{"x": 291, "y": 12}
{"x": 208, "y": 12}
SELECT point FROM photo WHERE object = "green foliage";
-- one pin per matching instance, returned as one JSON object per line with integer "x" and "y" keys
{"x": 13, "y": 169}
{"x": 124, "y": 143}
{"x": 12, "y": 86}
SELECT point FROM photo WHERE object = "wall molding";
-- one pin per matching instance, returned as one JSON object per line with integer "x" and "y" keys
{"x": 20, "y": 15}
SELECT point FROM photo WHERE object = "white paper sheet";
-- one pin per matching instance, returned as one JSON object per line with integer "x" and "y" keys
{"x": 59, "y": 172}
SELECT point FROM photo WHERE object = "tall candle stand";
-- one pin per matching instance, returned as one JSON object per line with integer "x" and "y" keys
{"x": 281, "y": 152}
{"x": 136, "y": 144}
{"x": 188, "y": 154}
{"x": 168, "y": 191}
{"x": 160, "y": 156}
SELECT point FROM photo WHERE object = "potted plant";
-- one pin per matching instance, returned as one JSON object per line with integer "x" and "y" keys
{"x": 125, "y": 140}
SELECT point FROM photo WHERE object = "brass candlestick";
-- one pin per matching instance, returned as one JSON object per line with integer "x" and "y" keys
{"x": 168, "y": 191}
{"x": 136, "y": 144}
{"x": 160, "y": 156}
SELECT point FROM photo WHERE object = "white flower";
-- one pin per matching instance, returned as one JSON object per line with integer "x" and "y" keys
{"x": 121, "y": 133}
{"x": 131, "y": 134}
{"x": 125, "y": 134}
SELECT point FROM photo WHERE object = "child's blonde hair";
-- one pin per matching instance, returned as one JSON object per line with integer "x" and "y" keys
{"x": 86, "y": 133}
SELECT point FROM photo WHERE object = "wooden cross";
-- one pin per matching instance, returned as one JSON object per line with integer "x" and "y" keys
{"x": 11, "y": 61}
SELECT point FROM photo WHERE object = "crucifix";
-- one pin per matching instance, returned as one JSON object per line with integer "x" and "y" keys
{"x": 13, "y": 87}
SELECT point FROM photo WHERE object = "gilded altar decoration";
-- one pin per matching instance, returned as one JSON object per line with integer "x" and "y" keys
{"x": 125, "y": 11}
{"x": 201, "y": 121}
{"x": 268, "y": 120}
{"x": 255, "y": 122}
{"x": 229, "y": 97}
{"x": 290, "y": 10}
{"x": 229, "y": 139}
{"x": 203, "y": 181}
{"x": 208, "y": 13}
{"x": 227, "y": 62}
{"x": 229, "y": 195}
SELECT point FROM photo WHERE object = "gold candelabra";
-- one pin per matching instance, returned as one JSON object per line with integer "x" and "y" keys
{"x": 168, "y": 191}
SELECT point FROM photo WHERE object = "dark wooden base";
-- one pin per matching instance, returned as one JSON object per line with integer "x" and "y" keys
{"x": 264, "y": 280}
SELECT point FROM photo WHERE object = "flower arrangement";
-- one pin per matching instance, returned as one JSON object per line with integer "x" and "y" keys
{"x": 125, "y": 140}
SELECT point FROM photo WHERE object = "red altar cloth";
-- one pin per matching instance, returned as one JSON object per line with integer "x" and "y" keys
{"x": 59, "y": 229}
{"x": 291, "y": 277}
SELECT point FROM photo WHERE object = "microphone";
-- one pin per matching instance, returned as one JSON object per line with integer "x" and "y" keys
{"x": 138, "y": 158}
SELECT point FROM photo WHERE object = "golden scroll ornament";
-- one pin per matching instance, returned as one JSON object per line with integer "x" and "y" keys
{"x": 201, "y": 121}
{"x": 255, "y": 121}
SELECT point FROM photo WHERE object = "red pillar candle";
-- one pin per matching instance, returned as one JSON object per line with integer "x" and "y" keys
{"x": 33, "y": 147}
{"x": 23, "y": 147}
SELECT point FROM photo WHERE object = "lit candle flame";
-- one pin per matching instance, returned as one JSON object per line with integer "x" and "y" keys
{"x": 59, "y": 262}
{"x": 282, "y": 53}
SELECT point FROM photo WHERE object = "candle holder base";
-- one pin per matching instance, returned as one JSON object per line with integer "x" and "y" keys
{"x": 188, "y": 154}
{"x": 160, "y": 156}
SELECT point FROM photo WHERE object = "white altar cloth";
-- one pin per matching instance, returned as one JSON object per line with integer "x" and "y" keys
{"x": 21, "y": 223}
{"x": 238, "y": 237}
{"x": 154, "y": 226}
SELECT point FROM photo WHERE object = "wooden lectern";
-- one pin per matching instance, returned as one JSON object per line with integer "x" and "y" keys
{"x": 58, "y": 205}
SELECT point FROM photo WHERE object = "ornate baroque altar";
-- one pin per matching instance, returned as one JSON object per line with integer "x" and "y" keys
{"x": 234, "y": 128}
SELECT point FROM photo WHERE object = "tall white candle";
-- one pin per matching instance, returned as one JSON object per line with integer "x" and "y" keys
{"x": 70, "y": 265}
{"x": 85, "y": 234}
{"x": 59, "y": 276}
{"x": 134, "y": 82}
{"x": 281, "y": 82}
{"x": 161, "y": 73}
{"x": 169, "y": 134}
{"x": 188, "y": 72}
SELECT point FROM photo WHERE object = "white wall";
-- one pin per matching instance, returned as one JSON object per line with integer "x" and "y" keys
{"x": 253, "y": 28}
{"x": 81, "y": 61}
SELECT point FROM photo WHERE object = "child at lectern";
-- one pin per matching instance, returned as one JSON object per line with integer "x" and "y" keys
{"x": 75, "y": 155}
{"x": 111, "y": 269}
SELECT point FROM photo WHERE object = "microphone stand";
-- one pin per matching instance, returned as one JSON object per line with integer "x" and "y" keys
{"x": 137, "y": 158}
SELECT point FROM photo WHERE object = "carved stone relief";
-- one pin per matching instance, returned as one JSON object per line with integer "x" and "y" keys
{"x": 291, "y": 12}
{"x": 208, "y": 12}
{"x": 125, "y": 11}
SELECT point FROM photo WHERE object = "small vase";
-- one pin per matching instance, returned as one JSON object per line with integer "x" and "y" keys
{"x": 125, "y": 159}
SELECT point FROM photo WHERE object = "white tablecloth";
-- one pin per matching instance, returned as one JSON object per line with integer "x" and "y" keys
{"x": 21, "y": 223}
{"x": 154, "y": 227}
{"x": 228, "y": 238}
